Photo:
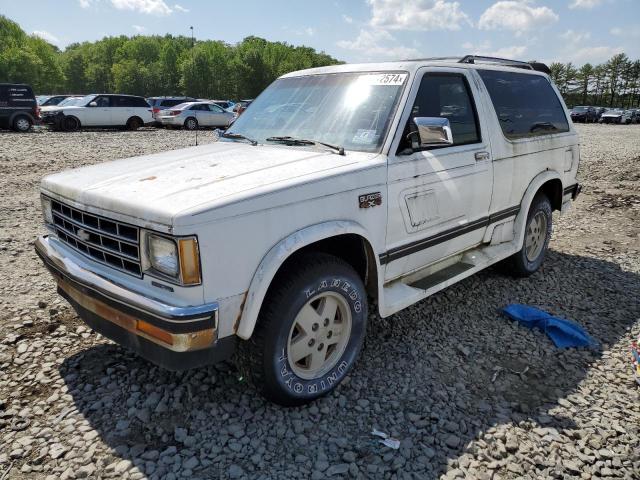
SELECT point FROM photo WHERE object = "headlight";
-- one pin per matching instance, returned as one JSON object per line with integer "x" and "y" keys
{"x": 176, "y": 258}
{"x": 163, "y": 255}
{"x": 46, "y": 210}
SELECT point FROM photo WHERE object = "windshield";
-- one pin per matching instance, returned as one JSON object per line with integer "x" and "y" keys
{"x": 351, "y": 110}
{"x": 70, "y": 101}
{"x": 84, "y": 101}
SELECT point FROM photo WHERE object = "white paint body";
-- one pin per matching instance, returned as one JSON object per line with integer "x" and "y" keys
{"x": 104, "y": 116}
{"x": 251, "y": 207}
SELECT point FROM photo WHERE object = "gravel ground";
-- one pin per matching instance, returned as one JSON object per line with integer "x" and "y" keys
{"x": 467, "y": 393}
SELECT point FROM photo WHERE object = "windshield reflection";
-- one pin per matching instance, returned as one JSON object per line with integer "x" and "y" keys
{"x": 351, "y": 110}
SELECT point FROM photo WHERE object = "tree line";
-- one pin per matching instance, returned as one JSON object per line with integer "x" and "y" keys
{"x": 615, "y": 83}
{"x": 176, "y": 65}
{"x": 150, "y": 65}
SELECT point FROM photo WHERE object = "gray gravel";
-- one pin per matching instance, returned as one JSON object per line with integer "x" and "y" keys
{"x": 74, "y": 405}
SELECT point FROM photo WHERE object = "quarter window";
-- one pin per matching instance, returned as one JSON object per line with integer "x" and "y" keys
{"x": 444, "y": 95}
{"x": 526, "y": 104}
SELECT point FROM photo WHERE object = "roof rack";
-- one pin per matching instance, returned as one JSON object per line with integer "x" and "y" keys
{"x": 538, "y": 66}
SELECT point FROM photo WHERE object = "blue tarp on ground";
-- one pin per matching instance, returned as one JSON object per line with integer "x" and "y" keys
{"x": 562, "y": 332}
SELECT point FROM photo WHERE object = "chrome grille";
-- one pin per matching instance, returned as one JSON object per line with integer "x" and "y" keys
{"x": 112, "y": 243}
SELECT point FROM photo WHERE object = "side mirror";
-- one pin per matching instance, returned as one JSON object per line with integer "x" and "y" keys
{"x": 93, "y": 104}
{"x": 432, "y": 132}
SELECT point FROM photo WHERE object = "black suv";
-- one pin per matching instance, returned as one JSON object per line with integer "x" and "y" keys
{"x": 18, "y": 107}
{"x": 584, "y": 114}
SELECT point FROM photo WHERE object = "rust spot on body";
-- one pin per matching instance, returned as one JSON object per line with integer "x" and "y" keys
{"x": 236, "y": 324}
{"x": 148, "y": 178}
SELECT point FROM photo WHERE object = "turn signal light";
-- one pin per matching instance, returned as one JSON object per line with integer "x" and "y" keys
{"x": 155, "y": 332}
{"x": 189, "y": 261}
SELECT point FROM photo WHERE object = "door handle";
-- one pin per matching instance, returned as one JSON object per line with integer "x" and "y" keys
{"x": 482, "y": 156}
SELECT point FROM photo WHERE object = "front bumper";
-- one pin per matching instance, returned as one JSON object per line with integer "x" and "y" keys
{"x": 170, "y": 336}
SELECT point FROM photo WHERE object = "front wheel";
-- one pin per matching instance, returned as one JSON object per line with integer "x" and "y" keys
{"x": 536, "y": 238}
{"x": 309, "y": 332}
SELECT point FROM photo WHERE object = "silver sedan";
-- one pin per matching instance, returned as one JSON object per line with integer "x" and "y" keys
{"x": 192, "y": 115}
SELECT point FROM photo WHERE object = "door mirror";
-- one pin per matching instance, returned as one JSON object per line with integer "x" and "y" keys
{"x": 432, "y": 132}
{"x": 93, "y": 104}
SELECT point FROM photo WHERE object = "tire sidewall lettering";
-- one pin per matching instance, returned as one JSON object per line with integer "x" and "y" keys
{"x": 353, "y": 295}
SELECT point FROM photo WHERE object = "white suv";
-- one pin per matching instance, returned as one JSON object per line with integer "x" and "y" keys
{"x": 338, "y": 185}
{"x": 104, "y": 110}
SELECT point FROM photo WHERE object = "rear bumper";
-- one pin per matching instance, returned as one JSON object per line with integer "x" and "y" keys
{"x": 171, "y": 121}
{"x": 172, "y": 337}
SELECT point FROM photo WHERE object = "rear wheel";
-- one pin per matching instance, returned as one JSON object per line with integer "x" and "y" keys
{"x": 536, "y": 239}
{"x": 190, "y": 123}
{"x": 22, "y": 123}
{"x": 309, "y": 332}
{"x": 134, "y": 123}
{"x": 70, "y": 124}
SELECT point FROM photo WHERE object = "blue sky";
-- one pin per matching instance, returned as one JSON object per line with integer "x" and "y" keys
{"x": 359, "y": 30}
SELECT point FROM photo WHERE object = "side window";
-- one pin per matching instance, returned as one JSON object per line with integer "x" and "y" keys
{"x": 103, "y": 102}
{"x": 198, "y": 107}
{"x": 526, "y": 104}
{"x": 444, "y": 95}
{"x": 215, "y": 108}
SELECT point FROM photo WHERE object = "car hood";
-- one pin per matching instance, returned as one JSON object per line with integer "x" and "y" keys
{"x": 152, "y": 190}
{"x": 612, "y": 114}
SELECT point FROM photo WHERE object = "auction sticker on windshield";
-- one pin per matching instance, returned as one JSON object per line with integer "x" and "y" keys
{"x": 384, "y": 79}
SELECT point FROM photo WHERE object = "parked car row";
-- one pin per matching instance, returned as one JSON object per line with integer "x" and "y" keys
{"x": 589, "y": 114}
{"x": 20, "y": 109}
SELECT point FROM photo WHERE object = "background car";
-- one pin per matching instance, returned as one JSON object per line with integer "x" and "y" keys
{"x": 162, "y": 103}
{"x": 192, "y": 115}
{"x": 584, "y": 114}
{"x": 53, "y": 100}
{"x": 241, "y": 106}
{"x": 64, "y": 103}
{"x": 615, "y": 115}
{"x": 18, "y": 107}
{"x": 634, "y": 115}
{"x": 600, "y": 111}
{"x": 102, "y": 110}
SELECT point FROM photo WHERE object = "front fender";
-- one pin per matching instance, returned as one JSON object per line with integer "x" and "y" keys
{"x": 276, "y": 257}
{"x": 527, "y": 198}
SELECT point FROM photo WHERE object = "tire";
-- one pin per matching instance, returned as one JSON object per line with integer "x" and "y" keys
{"x": 134, "y": 123}
{"x": 287, "y": 329}
{"x": 191, "y": 123}
{"x": 536, "y": 239}
{"x": 22, "y": 123}
{"x": 70, "y": 124}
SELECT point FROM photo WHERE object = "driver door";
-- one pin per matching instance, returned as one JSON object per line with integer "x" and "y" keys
{"x": 98, "y": 115}
{"x": 439, "y": 196}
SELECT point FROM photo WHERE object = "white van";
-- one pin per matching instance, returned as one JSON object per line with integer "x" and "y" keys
{"x": 95, "y": 111}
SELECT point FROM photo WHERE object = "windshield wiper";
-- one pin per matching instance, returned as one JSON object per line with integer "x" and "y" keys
{"x": 303, "y": 141}
{"x": 238, "y": 136}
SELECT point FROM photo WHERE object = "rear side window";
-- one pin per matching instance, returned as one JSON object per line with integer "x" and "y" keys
{"x": 139, "y": 102}
{"x": 526, "y": 104}
{"x": 171, "y": 103}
